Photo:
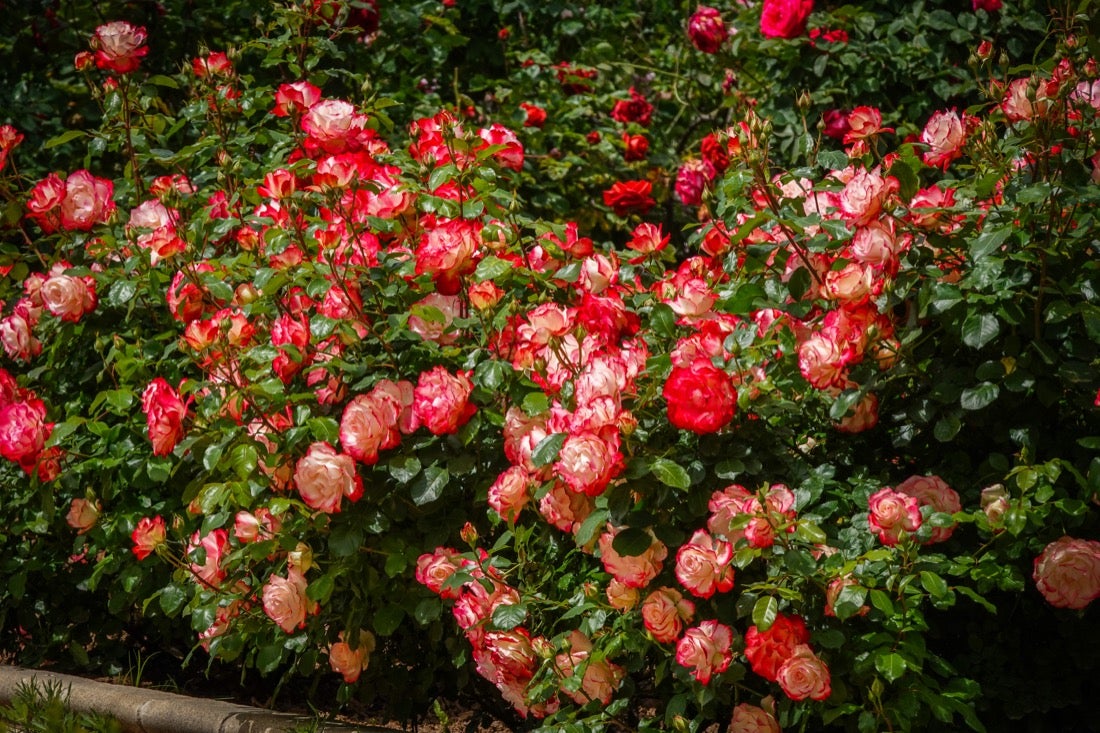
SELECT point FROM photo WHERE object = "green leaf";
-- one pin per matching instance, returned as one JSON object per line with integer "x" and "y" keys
{"x": 63, "y": 138}
{"x": 988, "y": 241}
{"x": 508, "y": 616}
{"x": 810, "y": 532}
{"x": 345, "y": 539}
{"x": 973, "y": 595}
{"x": 632, "y": 541}
{"x": 975, "y": 398}
{"x": 121, "y": 293}
{"x": 978, "y": 329}
{"x": 934, "y": 584}
{"x": 269, "y": 657}
{"x": 947, "y": 427}
{"x": 324, "y": 429}
{"x": 404, "y": 468}
{"x": 670, "y": 473}
{"x": 491, "y": 268}
{"x": 764, "y": 612}
{"x": 882, "y": 602}
{"x": 429, "y": 486}
{"x": 171, "y": 598}
{"x": 387, "y": 619}
{"x": 548, "y": 448}
{"x": 212, "y": 455}
{"x": 743, "y": 299}
{"x": 321, "y": 589}
{"x": 890, "y": 665}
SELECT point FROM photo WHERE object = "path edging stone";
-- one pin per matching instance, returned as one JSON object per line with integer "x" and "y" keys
{"x": 142, "y": 710}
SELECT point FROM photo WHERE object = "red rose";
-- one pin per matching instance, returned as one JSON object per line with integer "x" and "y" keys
{"x": 630, "y": 196}
{"x": 636, "y": 147}
{"x": 706, "y": 29}
{"x": 536, "y": 116}
{"x": 164, "y": 414}
{"x": 635, "y": 109}
{"x": 785, "y": 18}
{"x": 700, "y": 397}
{"x": 767, "y": 651}
{"x": 147, "y": 536}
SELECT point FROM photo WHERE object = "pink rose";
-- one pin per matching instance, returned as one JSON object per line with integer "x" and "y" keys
{"x": 945, "y": 135}
{"x": 832, "y": 594}
{"x": 285, "y": 601}
{"x": 334, "y": 125}
{"x": 441, "y": 400}
{"x": 600, "y": 678}
{"x": 119, "y": 46}
{"x": 213, "y": 545}
{"x": 68, "y": 297}
{"x": 18, "y": 339}
{"x": 324, "y": 477}
{"x": 294, "y": 99}
{"x": 165, "y": 411}
{"x": 508, "y": 494}
{"x": 44, "y": 204}
{"x": 565, "y": 508}
{"x": 703, "y": 565}
{"x": 87, "y": 201}
{"x": 1067, "y": 572}
{"x": 148, "y": 536}
{"x": 822, "y": 360}
{"x": 691, "y": 181}
{"x": 431, "y": 317}
{"x": 622, "y": 596}
{"x": 803, "y": 676}
{"x": 587, "y": 463}
{"x": 933, "y": 492}
{"x": 510, "y": 154}
{"x": 784, "y": 18}
{"x": 700, "y": 397}
{"x": 752, "y": 719}
{"x": 369, "y": 424}
{"x": 347, "y": 662}
{"x": 706, "y": 29}
{"x": 864, "y": 196}
{"x": 23, "y": 432}
{"x": 448, "y": 251}
{"x": 83, "y": 515}
{"x": 435, "y": 568}
{"x": 635, "y": 571}
{"x": 664, "y": 613}
{"x": 705, "y": 650}
{"x": 892, "y": 513}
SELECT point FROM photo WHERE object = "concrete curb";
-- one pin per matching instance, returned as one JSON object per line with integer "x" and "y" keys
{"x": 143, "y": 710}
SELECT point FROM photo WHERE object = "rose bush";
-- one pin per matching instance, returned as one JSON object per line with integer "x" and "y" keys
{"x": 744, "y": 424}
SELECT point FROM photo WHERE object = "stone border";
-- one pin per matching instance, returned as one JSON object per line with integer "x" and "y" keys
{"x": 142, "y": 710}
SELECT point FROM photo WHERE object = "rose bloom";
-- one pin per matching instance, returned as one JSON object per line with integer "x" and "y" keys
{"x": 369, "y": 424}
{"x": 334, "y": 125}
{"x": 932, "y": 491}
{"x": 213, "y": 544}
{"x": 347, "y": 662}
{"x": 705, "y": 650}
{"x": 68, "y": 297}
{"x": 23, "y": 432}
{"x": 635, "y": 571}
{"x": 862, "y": 417}
{"x": 119, "y": 46}
{"x": 945, "y": 135}
{"x": 862, "y": 123}
{"x": 784, "y": 18}
{"x": 664, "y": 613}
{"x": 484, "y": 295}
{"x": 564, "y": 508}
{"x": 636, "y": 109}
{"x": 990, "y": 6}
{"x": 752, "y": 719}
{"x": 621, "y": 596}
{"x": 18, "y": 339}
{"x": 508, "y": 494}
{"x": 891, "y": 513}
{"x": 82, "y": 515}
{"x": 324, "y": 477}
{"x": 703, "y": 565}
{"x": 87, "y": 201}
{"x": 768, "y": 650}
{"x": 431, "y": 325}
{"x": 626, "y": 197}
{"x": 691, "y": 181}
{"x": 601, "y": 677}
{"x": 864, "y": 196}
{"x": 804, "y": 675}
{"x": 1067, "y": 572}
{"x": 147, "y": 536}
{"x": 995, "y": 503}
{"x": 832, "y": 594}
{"x": 441, "y": 400}
{"x": 435, "y": 568}
{"x": 706, "y": 29}
{"x": 285, "y": 601}
{"x": 834, "y": 124}
{"x": 511, "y": 154}
{"x": 700, "y": 397}
{"x": 587, "y": 463}
{"x": 637, "y": 146}
{"x": 295, "y": 98}
{"x": 535, "y": 115}
{"x": 647, "y": 238}
{"x": 165, "y": 411}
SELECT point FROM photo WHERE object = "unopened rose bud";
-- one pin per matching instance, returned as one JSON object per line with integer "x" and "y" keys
{"x": 469, "y": 534}
{"x": 542, "y": 647}
{"x": 680, "y": 724}
{"x": 995, "y": 504}
{"x": 804, "y": 101}
{"x": 300, "y": 558}
{"x": 246, "y": 293}
{"x": 984, "y": 50}
{"x": 84, "y": 61}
